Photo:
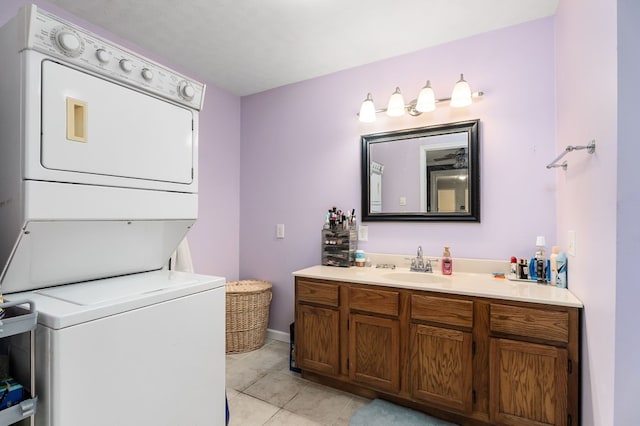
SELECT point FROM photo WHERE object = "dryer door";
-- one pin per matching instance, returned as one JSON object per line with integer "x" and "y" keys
{"x": 94, "y": 126}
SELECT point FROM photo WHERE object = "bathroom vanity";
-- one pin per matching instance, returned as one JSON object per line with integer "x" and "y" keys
{"x": 468, "y": 348}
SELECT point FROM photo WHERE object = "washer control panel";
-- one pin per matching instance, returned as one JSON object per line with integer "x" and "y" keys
{"x": 53, "y": 36}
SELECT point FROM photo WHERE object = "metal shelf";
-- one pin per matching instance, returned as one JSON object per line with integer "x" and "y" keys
{"x": 20, "y": 317}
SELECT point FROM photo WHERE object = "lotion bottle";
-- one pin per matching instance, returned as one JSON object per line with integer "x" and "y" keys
{"x": 553, "y": 262}
{"x": 447, "y": 262}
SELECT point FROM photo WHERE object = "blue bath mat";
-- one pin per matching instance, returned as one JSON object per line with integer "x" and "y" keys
{"x": 383, "y": 413}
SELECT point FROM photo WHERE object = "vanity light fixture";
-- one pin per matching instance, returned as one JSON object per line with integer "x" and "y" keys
{"x": 426, "y": 99}
{"x": 395, "y": 108}
{"x": 367, "y": 110}
{"x": 426, "y": 102}
{"x": 461, "y": 95}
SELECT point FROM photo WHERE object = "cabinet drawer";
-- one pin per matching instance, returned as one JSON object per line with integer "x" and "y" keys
{"x": 375, "y": 301}
{"x": 320, "y": 293}
{"x": 530, "y": 322}
{"x": 442, "y": 310}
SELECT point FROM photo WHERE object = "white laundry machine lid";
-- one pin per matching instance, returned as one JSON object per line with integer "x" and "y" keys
{"x": 68, "y": 305}
{"x": 114, "y": 290}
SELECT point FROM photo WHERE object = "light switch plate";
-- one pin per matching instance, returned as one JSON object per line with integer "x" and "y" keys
{"x": 280, "y": 230}
{"x": 363, "y": 233}
{"x": 571, "y": 244}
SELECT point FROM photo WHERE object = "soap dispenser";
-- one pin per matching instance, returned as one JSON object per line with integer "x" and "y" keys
{"x": 447, "y": 262}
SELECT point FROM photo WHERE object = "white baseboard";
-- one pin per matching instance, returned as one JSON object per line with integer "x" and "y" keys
{"x": 278, "y": 335}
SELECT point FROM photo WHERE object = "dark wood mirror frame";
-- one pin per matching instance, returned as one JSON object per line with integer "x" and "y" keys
{"x": 471, "y": 211}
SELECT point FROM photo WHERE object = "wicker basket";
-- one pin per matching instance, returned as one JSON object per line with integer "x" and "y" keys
{"x": 247, "y": 310}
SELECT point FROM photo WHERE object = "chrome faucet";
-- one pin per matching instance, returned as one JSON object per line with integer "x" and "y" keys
{"x": 419, "y": 263}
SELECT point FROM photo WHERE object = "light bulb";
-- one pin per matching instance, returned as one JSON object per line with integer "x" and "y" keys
{"x": 395, "y": 107}
{"x": 426, "y": 99}
{"x": 461, "y": 96}
{"x": 367, "y": 110}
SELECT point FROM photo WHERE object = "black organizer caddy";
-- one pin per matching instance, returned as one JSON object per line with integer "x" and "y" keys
{"x": 339, "y": 247}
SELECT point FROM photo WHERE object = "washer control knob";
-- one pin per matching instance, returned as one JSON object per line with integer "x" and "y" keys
{"x": 126, "y": 65}
{"x": 69, "y": 42}
{"x": 186, "y": 90}
{"x": 147, "y": 74}
{"x": 103, "y": 56}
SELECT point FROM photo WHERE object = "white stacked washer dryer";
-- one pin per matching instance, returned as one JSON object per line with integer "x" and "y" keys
{"x": 98, "y": 185}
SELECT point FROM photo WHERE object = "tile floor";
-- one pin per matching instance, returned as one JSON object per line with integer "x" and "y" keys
{"x": 263, "y": 391}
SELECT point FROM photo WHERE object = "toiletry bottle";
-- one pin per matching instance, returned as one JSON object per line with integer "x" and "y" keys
{"x": 447, "y": 262}
{"x": 541, "y": 270}
{"x": 548, "y": 270}
{"x": 523, "y": 269}
{"x": 553, "y": 264}
{"x": 360, "y": 259}
{"x": 541, "y": 261}
{"x": 532, "y": 269}
{"x": 561, "y": 278}
{"x": 514, "y": 268}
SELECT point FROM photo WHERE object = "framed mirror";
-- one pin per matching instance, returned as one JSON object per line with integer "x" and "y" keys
{"x": 422, "y": 174}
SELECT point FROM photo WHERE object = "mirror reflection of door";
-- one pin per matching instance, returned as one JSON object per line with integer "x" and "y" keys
{"x": 449, "y": 191}
{"x": 375, "y": 186}
{"x": 444, "y": 169}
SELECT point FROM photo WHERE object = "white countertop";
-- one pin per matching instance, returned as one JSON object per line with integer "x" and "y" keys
{"x": 464, "y": 283}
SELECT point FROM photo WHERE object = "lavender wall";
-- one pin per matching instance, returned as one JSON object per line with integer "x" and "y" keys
{"x": 300, "y": 154}
{"x": 627, "y": 373}
{"x": 587, "y": 109}
{"x": 214, "y": 238}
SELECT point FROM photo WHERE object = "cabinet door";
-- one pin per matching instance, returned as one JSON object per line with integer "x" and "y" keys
{"x": 317, "y": 339}
{"x": 374, "y": 351}
{"x": 441, "y": 361}
{"x": 528, "y": 383}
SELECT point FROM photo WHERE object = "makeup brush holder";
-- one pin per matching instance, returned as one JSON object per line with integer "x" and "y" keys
{"x": 339, "y": 247}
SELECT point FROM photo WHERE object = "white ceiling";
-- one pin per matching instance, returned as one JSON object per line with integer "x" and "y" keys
{"x": 248, "y": 46}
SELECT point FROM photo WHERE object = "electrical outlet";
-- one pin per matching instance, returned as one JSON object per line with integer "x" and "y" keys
{"x": 403, "y": 201}
{"x": 280, "y": 230}
{"x": 363, "y": 233}
{"x": 571, "y": 245}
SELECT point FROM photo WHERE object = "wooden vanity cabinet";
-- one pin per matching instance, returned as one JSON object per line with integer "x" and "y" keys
{"x": 317, "y": 327}
{"x": 534, "y": 365}
{"x": 374, "y": 338}
{"x": 469, "y": 360}
{"x": 441, "y": 351}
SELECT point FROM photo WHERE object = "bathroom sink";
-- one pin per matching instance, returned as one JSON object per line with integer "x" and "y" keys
{"x": 416, "y": 277}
